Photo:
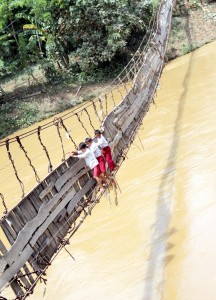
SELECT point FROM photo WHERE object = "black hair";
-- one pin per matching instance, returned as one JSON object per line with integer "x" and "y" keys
{"x": 88, "y": 140}
{"x": 97, "y": 131}
{"x": 82, "y": 146}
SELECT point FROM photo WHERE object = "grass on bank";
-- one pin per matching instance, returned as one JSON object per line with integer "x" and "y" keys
{"x": 20, "y": 114}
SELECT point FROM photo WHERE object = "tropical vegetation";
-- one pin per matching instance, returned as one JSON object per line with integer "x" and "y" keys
{"x": 75, "y": 37}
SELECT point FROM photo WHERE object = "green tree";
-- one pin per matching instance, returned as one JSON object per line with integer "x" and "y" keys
{"x": 79, "y": 35}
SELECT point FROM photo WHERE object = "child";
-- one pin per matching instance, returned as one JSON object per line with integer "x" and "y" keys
{"x": 97, "y": 152}
{"x": 106, "y": 151}
{"x": 91, "y": 162}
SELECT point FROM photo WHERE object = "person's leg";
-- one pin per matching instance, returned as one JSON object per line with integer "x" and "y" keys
{"x": 97, "y": 174}
{"x": 103, "y": 178}
{"x": 102, "y": 165}
{"x": 107, "y": 175}
{"x": 108, "y": 157}
{"x": 99, "y": 181}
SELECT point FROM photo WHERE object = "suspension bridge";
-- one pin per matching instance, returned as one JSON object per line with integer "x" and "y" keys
{"x": 44, "y": 220}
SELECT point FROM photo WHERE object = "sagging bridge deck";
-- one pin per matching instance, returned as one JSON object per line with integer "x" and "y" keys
{"x": 40, "y": 225}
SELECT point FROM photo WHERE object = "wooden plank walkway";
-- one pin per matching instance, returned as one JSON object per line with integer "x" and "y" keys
{"x": 37, "y": 226}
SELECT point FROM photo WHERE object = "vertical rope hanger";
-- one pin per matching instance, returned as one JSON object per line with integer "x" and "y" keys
{"x": 119, "y": 91}
{"x": 4, "y": 204}
{"x": 67, "y": 132}
{"x": 122, "y": 81}
{"x": 28, "y": 158}
{"x": 101, "y": 107}
{"x": 82, "y": 124}
{"x": 105, "y": 96}
{"x": 90, "y": 121}
{"x": 133, "y": 70}
{"x": 14, "y": 167}
{"x": 50, "y": 168}
{"x": 57, "y": 123}
{"x": 113, "y": 98}
{"x": 95, "y": 110}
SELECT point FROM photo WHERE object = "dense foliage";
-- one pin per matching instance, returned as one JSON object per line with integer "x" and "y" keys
{"x": 74, "y": 35}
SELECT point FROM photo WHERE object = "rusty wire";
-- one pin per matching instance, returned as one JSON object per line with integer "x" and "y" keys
{"x": 44, "y": 148}
{"x": 28, "y": 158}
{"x": 14, "y": 167}
{"x": 57, "y": 123}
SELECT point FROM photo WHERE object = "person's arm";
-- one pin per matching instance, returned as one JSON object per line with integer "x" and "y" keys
{"x": 83, "y": 155}
{"x": 74, "y": 152}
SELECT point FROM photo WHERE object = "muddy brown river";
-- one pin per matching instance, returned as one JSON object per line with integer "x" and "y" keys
{"x": 160, "y": 242}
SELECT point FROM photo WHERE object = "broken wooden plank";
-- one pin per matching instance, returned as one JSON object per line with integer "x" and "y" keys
{"x": 18, "y": 264}
{"x": 26, "y": 233}
{"x": 75, "y": 199}
{"x": 80, "y": 164}
{"x": 47, "y": 190}
{"x": 82, "y": 192}
{"x": 28, "y": 250}
{"x": 60, "y": 216}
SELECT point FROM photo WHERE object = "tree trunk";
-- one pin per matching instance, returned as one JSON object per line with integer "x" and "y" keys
{"x": 39, "y": 43}
{"x": 14, "y": 34}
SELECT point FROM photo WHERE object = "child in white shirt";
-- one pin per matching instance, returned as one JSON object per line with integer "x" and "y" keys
{"x": 106, "y": 151}
{"x": 100, "y": 158}
{"x": 91, "y": 162}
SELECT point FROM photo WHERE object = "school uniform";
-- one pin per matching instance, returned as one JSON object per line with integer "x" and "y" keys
{"x": 106, "y": 151}
{"x": 97, "y": 152}
{"x": 90, "y": 161}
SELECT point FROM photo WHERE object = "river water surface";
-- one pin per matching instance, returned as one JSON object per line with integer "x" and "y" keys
{"x": 160, "y": 242}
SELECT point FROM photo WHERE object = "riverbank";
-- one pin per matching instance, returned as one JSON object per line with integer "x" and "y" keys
{"x": 192, "y": 27}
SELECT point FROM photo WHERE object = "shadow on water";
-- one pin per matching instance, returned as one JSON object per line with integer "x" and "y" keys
{"x": 154, "y": 279}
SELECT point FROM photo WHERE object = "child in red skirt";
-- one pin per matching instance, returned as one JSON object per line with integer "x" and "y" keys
{"x": 91, "y": 162}
{"x": 106, "y": 151}
{"x": 97, "y": 152}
